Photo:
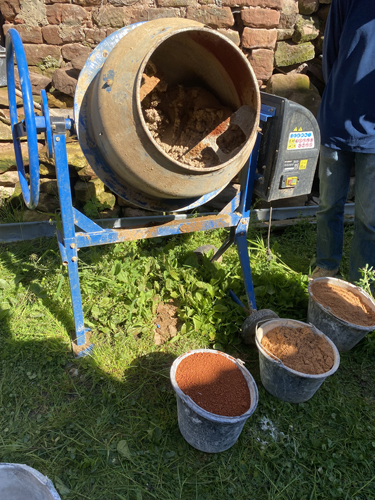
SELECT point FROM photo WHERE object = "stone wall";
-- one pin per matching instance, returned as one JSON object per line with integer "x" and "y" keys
{"x": 59, "y": 35}
{"x": 281, "y": 38}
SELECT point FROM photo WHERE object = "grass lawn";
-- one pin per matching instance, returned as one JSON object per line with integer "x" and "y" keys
{"x": 105, "y": 427}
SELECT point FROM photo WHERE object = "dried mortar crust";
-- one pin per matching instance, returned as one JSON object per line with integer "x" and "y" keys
{"x": 300, "y": 349}
{"x": 179, "y": 117}
{"x": 343, "y": 303}
{"x": 214, "y": 383}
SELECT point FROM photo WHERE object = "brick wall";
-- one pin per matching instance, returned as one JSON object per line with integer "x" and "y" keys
{"x": 56, "y": 32}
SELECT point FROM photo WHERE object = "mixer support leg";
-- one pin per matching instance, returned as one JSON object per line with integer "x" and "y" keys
{"x": 67, "y": 242}
{"x": 243, "y": 253}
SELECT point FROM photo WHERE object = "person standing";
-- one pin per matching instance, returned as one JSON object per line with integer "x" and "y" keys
{"x": 347, "y": 123}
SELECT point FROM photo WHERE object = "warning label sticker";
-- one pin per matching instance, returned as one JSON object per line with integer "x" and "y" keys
{"x": 301, "y": 140}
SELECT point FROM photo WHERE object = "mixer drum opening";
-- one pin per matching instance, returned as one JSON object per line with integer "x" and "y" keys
{"x": 175, "y": 109}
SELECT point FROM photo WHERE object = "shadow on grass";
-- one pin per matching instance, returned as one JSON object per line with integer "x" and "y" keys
{"x": 105, "y": 427}
{"x": 93, "y": 435}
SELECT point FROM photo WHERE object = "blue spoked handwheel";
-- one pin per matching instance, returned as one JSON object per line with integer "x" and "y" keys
{"x": 48, "y": 129}
{"x": 14, "y": 48}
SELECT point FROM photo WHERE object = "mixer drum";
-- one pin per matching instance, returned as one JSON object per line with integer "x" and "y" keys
{"x": 182, "y": 54}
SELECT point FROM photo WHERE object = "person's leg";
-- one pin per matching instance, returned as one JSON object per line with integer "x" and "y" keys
{"x": 334, "y": 177}
{"x": 363, "y": 245}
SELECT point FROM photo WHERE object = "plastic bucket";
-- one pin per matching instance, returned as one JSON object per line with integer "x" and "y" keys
{"x": 284, "y": 382}
{"x": 206, "y": 431}
{"x": 344, "y": 335}
{"x": 21, "y": 482}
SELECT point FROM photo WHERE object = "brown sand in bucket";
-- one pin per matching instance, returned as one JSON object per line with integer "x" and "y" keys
{"x": 343, "y": 303}
{"x": 214, "y": 383}
{"x": 300, "y": 349}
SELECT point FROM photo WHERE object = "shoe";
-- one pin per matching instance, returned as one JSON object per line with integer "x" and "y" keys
{"x": 323, "y": 273}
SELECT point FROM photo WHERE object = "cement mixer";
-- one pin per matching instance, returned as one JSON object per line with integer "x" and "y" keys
{"x": 167, "y": 113}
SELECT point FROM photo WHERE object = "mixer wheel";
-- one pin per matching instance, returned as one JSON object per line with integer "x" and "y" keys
{"x": 14, "y": 48}
{"x": 251, "y": 322}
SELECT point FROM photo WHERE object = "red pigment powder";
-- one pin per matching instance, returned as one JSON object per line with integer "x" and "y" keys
{"x": 214, "y": 383}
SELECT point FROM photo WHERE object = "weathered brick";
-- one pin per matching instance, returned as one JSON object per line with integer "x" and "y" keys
{"x": 95, "y": 36}
{"x": 307, "y": 28}
{"x": 65, "y": 80}
{"x": 78, "y": 62}
{"x": 270, "y": 4}
{"x": 86, "y": 3}
{"x": 32, "y": 13}
{"x": 256, "y": 17}
{"x": 161, "y": 13}
{"x": 28, "y": 34}
{"x": 122, "y": 3}
{"x": 288, "y": 14}
{"x": 37, "y": 81}
{"x": 175, "y": 3}
{"x": 70, "y": 34}
{"x": 308, "y": 7}
{"x": 51, "y": 35}
{"x": 136, "y": 15}
{"x": 233, "y": 35}
{"x": 213, "y": 16}
{"x": 261, "y": 61}
{"x": 109, "y": 17}
{"x": 259, "y": 38}
{"x": 54, "y": 13}
{"x": 284, "y": 34}
{"x": 287, "y": 54}
{"x": 9, "y": 9}
{"x": 73, "y": 50}
{"x": 36, "y": 53}
{"x": 73, "y": 14}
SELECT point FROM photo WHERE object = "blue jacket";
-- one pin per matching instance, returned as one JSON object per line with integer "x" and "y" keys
{"x": 347, "y": 112}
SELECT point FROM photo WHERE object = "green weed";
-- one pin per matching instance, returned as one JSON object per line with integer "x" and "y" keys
{"x": 93, "y": 207}
{"x": 105, "y": 427}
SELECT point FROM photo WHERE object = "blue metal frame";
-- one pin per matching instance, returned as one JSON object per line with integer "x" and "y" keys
{"x": 235, "y": 215}
{"x": 14, "y": 48}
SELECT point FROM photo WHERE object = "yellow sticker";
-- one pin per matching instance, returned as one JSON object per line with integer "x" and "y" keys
{"x": 302, "y": 164}
{"x": 300, "y": 129}
{"x": 292, "y": 144}
{"x": 295, "y": 129}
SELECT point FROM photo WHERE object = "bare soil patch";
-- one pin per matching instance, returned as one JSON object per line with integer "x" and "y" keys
{"x": 167, "y": 322}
